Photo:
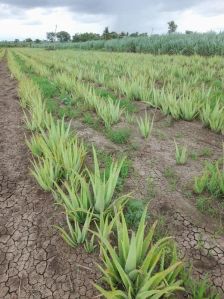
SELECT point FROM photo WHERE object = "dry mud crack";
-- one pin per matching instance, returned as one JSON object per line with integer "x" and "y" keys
{"x": 34, "y": 261}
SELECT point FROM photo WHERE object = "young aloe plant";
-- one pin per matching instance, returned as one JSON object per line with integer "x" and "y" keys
{"x": 135, "y": 268}
{"x": 103, "y": 188}
{"x": 90, "y": 244}
{"x": 76, "y": 234}
{"x": 200, "y": 183}
{"x": 34, "y": 144}
{"x": 109, "y": 112}
{"x": 211, "y": 180}
{"x": 36, "y": 117}
{"x": 213, "y": 117}
{"x": 46, "y": 172}
{"x": 181, "y": 154}
{"x": 75, "y": 200}
{"x": 145, "y": 126}
{"x": 188, "y": 108}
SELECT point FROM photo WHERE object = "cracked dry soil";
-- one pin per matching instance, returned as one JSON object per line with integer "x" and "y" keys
{"x": 34, "y": 261}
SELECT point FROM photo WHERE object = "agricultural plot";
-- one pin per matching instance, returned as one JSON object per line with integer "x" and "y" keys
{"x": 131, "y": 143}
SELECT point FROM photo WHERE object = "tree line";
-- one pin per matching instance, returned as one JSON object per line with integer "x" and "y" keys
{"x": 64, "y": 36}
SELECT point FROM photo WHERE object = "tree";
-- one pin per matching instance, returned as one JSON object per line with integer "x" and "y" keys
{"x": 63, "y": 36}
{"x": 134, "y": 34}
{"x": 28, "y": 40}
{"x": 51, "y": 36}
{"x": 83, "y": 37}
{"x": 106, "y": 33}
{"x": 172, "y": 27}
{"x": 37, "y": 41}
{"x": 122, "y": 34}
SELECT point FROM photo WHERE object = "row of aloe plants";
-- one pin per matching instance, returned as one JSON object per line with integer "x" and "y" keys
{"x": 133, "y": 265}
{"x": 189, "y": 100}
{"x": 107, "y": 110}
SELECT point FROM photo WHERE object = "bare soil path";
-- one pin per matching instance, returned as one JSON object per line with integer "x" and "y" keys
{"x": 34, "y": 261}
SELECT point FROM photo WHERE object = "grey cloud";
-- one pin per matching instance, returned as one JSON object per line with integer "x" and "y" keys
{"x": 104, "y": 6}
{"x": 128, "y": 15}
{"x": 32, "y": 23}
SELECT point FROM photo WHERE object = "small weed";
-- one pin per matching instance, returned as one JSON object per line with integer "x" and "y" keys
{"x": 200, "y": 243}
{"x": 88, "y": 119}
{"x": 52, "y": 106}
{"x": 171, "y": 177}
{"x": 134, "y": 146}
{"x": 151, "y": 188}
{"x": 168, "y": 122}
{"x": 193, "y": 156}
{"x": 205, "y": 205}
{"x": 161, "y": 229}
{"x": 198, "y": 289}
{"x": 133, "y": 212}
{"x": 187, "y": 191}
{"x": 68, "y": 112}
{"x": 128, "y": 105}
{"x": 179, "y": 135}
{"x": 205, "y": 152}
{"x": 130, "y": 118}
{"x": 48, "y": 88}
{"x": 67, "y": 101}
{"x": 160, "y": 134}
{"x": 125, "y": 169}
{"x": 202, "y": 203}
{"x": 119, "y": 136}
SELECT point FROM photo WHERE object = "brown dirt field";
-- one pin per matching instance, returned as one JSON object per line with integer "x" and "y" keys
{"x": 34, "y": 261}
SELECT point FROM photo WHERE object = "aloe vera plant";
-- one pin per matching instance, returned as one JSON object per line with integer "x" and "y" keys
{"x": 64, "y": 148}
{"x": 188, "y": 108}
{"x": 46, "y": 172}
{"x": 109, "y": 112}
{"x": 104, "y": 226}
{"x": 135, "y": 268}
{"x": 212, "y": 179}
{"x": 201, "y": 182}
{"x": 77, "y": 234}
{"x": 34, "y": 145}
{"x": 35, "y": 118}
{"x": 181, "y": 154}
{"x": 145, "y": 126}
{"x": 76, "y": 201}
{"x": 103, "y": 188}
{"x": 213, "y": 117}
{"x": 28, "y": 93}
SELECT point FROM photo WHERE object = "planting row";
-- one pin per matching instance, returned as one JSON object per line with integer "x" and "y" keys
{"x": 183, "y": 88}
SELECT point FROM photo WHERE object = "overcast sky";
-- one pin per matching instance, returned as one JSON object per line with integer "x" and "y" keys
{"x": 33, "y": 18}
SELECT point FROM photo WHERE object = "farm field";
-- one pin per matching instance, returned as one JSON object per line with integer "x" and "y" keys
{"x": 116, "y": 142}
